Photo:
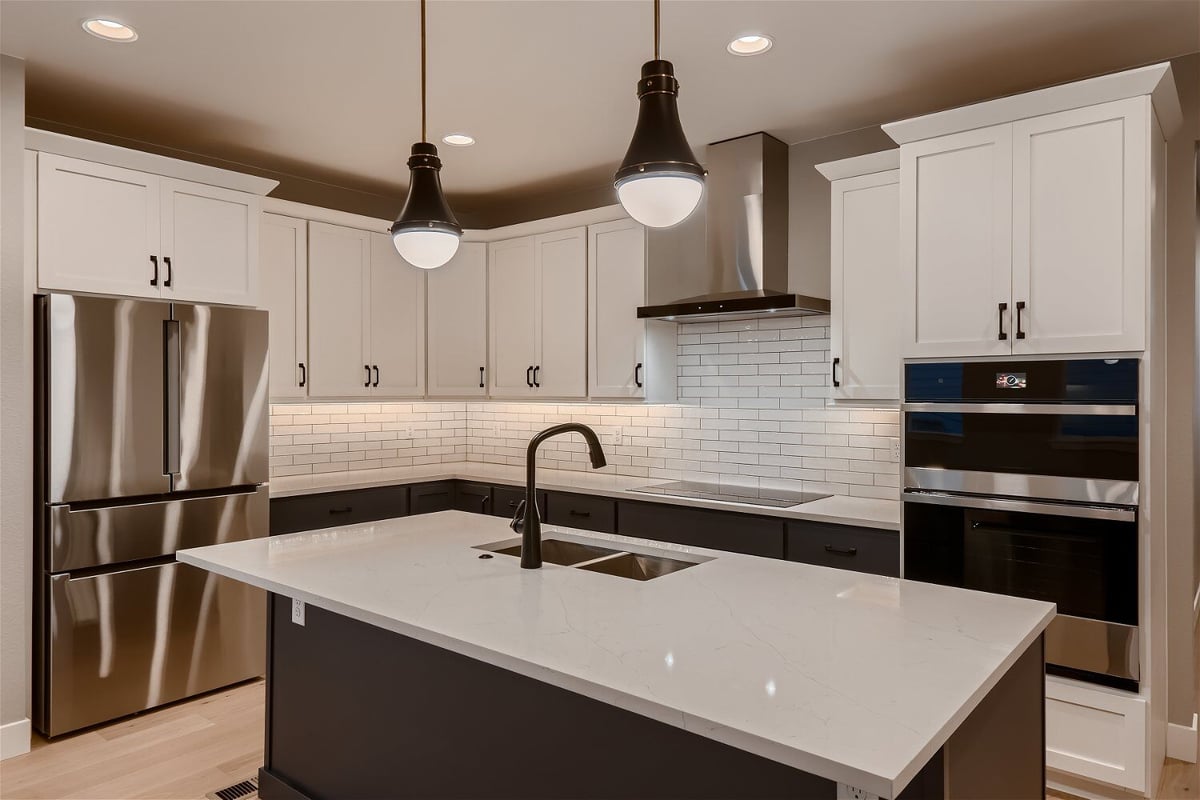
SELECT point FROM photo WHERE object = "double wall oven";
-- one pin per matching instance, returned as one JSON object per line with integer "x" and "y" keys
{"x": 1021, "y": 478}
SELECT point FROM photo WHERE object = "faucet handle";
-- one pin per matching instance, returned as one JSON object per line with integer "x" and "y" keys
{"x": 518, "y": 520}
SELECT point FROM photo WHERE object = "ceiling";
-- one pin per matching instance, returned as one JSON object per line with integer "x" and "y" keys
{"x": 325, "y": 95}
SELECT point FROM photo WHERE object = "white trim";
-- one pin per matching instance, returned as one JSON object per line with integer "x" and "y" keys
{"x": 15, "y": 738}
{"x": 1076, "y": 786}
{"x": 101, "y": 153}
{"x": 1156, "y": 80}
{"x": 1181, "y": 741}
{"x": 576, "y": 219}
{"x": 290, "y": 208}
{"x": 884, "y": 161}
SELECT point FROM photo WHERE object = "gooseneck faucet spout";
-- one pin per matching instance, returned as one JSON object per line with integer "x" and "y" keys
{"x": 527, "y": 522}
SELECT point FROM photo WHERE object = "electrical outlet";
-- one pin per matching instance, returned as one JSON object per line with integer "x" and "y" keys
{"x": 297, "y": 611}
{"x": 847, "y": 792}
{"x": 895, "y": 450}
{"x": 406, "y": 432}
{"x": 617, "y": 436}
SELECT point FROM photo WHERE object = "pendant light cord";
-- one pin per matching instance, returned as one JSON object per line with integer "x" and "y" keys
{"x": 423, "y": 136}
{"x": 656, "y": 28}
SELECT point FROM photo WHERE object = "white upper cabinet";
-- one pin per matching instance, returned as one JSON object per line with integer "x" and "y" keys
{"x": 112, "y": 230}
{"x": 209, "y": 243}
{"x": 561, "y": 367}
{"x": 616, "y": 257}
{"x": 1080, "y": 199}
{"x": 512, "y": 317}
{"x": 457, "y": 310}
{"x": 865, "y": 278}
{"x": 283, "y": 266}
{"x": 956, "y": 243}
{"x": 98, "y": 228}
{"x": 339, "y": 268}
{"x": 397, "y": 322}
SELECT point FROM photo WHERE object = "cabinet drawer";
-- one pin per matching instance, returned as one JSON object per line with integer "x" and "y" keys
{"x": 719, "y": 530}
{"x": 426, "y": 498}
{"x": 581, "y": 511}
{"x": 505, "y": 500}
{"x": 330, "y": 509}
{"x": 844, "y": 547}
{"x": 473, "y": 497}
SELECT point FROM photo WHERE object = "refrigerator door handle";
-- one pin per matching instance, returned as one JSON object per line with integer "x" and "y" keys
{"x": 171, "y": 388}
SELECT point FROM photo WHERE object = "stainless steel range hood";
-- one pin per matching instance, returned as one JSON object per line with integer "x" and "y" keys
{"x": 743, "y": 235}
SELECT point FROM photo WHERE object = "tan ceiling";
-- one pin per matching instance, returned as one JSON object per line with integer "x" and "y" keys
{"x": 328, "y": 91}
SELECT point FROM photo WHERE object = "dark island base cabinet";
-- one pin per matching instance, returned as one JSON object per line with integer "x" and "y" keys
{"x": 355, "y": 711}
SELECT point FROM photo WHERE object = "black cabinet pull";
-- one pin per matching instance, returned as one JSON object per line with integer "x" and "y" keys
{"x": 376, "y": 368}
{"x": 575, "y": 513}
{"x": 481, "y": 377}
{"x": 512, "y": 503}
{"x": 367, "y": 367}
{"x": 154, "y": 261}
{"x": 342, "y": 510}
{"x": 167, "y": 261}
{"x": 838, "y": 550}
{"x": 833, "y": 372}
{"x": 303, "y": 374}
{"x": 528, "y": 379}
{"x": 483, "y": 504}
{"x": 535, "y": 375}
{"x": 1001, "y": 335}
{"x": 1020, "y": 308}
{"x": 637, "y": 374}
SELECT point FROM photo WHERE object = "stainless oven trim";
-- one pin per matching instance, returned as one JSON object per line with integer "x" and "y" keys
{"x": 1071, "y": 409}
{"x": 1021, "y": 506}
{"x": 1045, "y": 487}
{"x": 1108, "y": 648}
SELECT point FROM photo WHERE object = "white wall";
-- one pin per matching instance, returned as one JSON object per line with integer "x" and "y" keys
{"x": 16, "y": 418}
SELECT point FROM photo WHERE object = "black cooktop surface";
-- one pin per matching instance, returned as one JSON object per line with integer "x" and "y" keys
{"x": 771, "y": 498}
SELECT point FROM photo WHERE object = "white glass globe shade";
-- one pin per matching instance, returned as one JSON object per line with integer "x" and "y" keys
{"x": 427, "y": 249}
{"x": 660, "y": 201}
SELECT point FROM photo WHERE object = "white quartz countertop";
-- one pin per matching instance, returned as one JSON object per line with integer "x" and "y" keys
{"x": 864, "y": 511}
{"x": 853, "y": 677}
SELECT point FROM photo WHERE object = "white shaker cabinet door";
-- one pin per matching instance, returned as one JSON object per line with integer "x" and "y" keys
{"x": 512, "y": 317}
{"x": 616, "y": 256}
{"x": 1080, "y": 229}
{"x": 283, "y": 261}
{"x": 956, "y": 243}
{"x": 339, "y": 266}
{"x": 560, "y": 369}
{"x": 397, "y": 337}
{"x": 209, "y": 243}
{"x": 865, "y": 314}
{"x": 97, "y": 228}
{"x": 457, "y": 309}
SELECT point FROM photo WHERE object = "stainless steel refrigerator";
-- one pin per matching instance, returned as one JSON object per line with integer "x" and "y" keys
{"x": 151, "y": 436}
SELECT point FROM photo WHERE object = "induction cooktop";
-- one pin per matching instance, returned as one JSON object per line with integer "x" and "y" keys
{"x": 747, "y": 495}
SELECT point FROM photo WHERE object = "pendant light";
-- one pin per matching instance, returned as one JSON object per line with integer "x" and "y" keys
{"x": 426, "y": 234}
{"x": 659, "y": 182}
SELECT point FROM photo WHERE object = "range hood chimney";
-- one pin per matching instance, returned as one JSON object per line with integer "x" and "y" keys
{"x": 744, "y": 227}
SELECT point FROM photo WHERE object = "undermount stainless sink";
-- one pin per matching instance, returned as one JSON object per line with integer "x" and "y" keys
{"x": 637, "y": 566}
{"x": 562, "y": 552}
{"x": 605, "y": 560}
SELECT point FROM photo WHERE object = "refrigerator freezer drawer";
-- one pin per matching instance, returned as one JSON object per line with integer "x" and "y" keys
{"x": 130, "y": 640}
{"x": 94, "y": 537}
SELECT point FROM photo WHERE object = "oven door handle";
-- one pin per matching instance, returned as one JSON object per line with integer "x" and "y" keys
{"x": 1023, "y": 506}
{"x": 1066, "y": 409}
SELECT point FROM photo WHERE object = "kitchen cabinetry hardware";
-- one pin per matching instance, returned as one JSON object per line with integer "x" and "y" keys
{"x": 154, "y": 261}
{"x": 535, "y": 376}
{"x": 376, "y": 368}
{"x": 576, "y": 513}
{"x": 637, "y": 375}
{"x": 1020, "y": 308}
{"x": 528, "y": 377}
{"x": 481, "y": 377}
{"x": 1000, "y": 334}
{"x": 367, "y": 367}
{"x": 483, "y": 504}
{"x": 833, "y": 372}
{"x": 841, "y": 550}
{"x": 170, "y": 274}
{"x": 341, "y": 510}
{"x": 303, "y": 374}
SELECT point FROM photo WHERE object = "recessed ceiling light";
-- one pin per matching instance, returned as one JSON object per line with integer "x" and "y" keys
{"x": 750, "y": 45}
{"x": 109, "y": 29}
{"x": 458, "y": 140}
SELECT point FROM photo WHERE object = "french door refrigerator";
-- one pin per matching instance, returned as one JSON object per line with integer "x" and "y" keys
{"x": 151, "y": 436}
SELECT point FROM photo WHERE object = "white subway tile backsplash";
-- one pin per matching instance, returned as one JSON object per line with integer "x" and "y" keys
{"x": 753, "y": 410}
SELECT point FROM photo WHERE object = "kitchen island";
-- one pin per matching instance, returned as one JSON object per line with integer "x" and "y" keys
{"x": 427, "y": 664}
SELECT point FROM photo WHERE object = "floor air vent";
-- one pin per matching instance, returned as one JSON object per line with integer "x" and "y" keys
{"x": 246, "y": 789}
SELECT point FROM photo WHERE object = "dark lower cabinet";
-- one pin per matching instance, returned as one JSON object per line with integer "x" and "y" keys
{"x": 426, "y": 498}
{"x": 473, "y": 497}
{"x": 505, "y": 500}
{"x": 844, "y": 547}
{"x": 719, "y": 530}
{"x": 313, "y": 511}
{"x": 589, "y": 512}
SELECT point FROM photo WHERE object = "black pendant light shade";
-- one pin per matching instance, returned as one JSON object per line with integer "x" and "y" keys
{"x": 658, "y": 143}
{"x": 425, "y": 208}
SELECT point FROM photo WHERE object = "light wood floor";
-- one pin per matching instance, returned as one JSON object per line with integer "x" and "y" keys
{"x": 193, "y": 748}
